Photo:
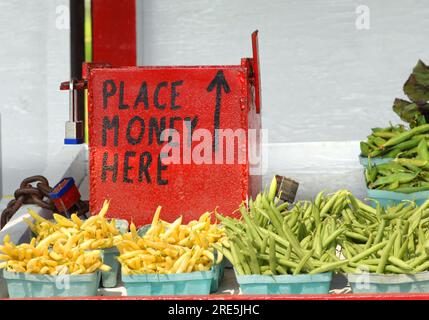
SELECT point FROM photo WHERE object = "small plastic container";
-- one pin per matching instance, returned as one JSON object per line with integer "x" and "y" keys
{"x": 392, "y": 198}
{"x": 25, "y": 285}
{"x": 121, "y": 225}
{"x": 218, "y": 270}
{"x": 374, "y": 161}
{"x": 192, "y": 283}
{"x": 3, "y": 286}
{"x": 285, "y": 284}
{"x": 109, "y": 279}
{"x": 379, "y": 283}
{"x": 142, "y": 230}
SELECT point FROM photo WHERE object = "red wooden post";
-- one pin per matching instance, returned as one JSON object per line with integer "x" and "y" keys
{"x": 114, "y": 32}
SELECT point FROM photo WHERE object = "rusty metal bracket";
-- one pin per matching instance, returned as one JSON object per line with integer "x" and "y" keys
{"x": 78, "y": 85}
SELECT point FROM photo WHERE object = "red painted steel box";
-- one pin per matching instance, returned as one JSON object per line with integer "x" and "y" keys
{"x": 183, "y": 137}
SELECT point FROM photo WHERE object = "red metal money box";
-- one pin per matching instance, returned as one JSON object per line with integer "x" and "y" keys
{"x": 186, "y": 138}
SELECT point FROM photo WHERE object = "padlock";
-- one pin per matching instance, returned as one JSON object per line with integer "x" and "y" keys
{"x": 74, "y": 130}
{"x": 65, "y": 195}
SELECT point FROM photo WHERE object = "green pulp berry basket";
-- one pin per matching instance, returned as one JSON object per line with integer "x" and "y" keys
{"x": 192, "y": 283}
{"x": 374, "y": 161}
{"x": 25, "y": 285}
{"x": 142, "y": 230}
{"x": 121, "y": 225}
{"x": 218, "y": 269}
{"x": 218, "y": 272}
{"x": 392, "y": 198}
{"x": 285, "y": 284}
{"x": 3, "y": 285}
{"x": 380, "y": 283}
{"x": 109, "y": 279}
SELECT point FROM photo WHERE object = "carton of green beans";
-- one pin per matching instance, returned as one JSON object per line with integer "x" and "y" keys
{"x": 400, "y": 179}
{"x": 285, "y": 250}
{"x": 389, "y": 283}
{"x": 364, "y": 161}
{"x": 406, "y": 176}
{"x": 392, "y": 240}
{"x": 393, "y": 255}
{"x": 272, "y": 240}
{"x": 391, "y": 198}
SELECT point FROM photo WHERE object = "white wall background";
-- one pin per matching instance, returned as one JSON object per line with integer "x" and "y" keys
{"x": 325, "y": 82}
{"x": 34, "y": 59}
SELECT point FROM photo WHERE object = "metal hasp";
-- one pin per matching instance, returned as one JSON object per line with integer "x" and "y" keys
{"x": 74, "y": 131}
{"x": 65, "y": 195}
{"x": 186, "y": 138}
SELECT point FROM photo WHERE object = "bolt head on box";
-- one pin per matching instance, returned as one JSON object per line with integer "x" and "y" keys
{"x": 74, "y": 132}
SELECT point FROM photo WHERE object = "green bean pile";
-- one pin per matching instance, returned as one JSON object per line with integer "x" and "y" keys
{"x": 335, "y": 232}
{"x": 395, "y": 141}
{"x": 395, "y": 243}
{"x": 400, "y": 175}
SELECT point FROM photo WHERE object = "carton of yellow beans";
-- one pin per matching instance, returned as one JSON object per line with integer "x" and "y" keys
{"x": 96, "y": 232}
{"x": 171, "y": 258}
{"x": 55, "y": 266}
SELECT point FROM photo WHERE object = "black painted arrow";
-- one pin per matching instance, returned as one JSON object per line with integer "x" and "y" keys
{"x": 219, "y": 82}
